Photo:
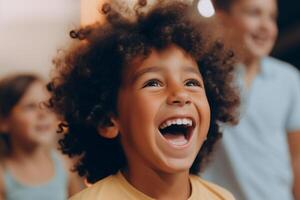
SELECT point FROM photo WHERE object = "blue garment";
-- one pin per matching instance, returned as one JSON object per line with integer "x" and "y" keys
{"x": 55, "y": 189}
{"x": 252, "y": 159}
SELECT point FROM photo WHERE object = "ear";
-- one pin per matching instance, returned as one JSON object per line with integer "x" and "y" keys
{"x": 110, "y": 131}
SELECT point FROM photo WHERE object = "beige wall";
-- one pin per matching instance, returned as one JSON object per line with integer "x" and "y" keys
{"x": 90, "y": 11}
{"x": 32, "y": 31}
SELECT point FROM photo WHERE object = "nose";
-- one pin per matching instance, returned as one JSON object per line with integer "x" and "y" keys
{"x": 178, "y": 96}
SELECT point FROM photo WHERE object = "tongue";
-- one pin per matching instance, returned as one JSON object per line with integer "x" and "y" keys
{"x": 176, "y": 139}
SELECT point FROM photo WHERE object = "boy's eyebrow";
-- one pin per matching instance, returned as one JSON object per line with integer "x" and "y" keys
{"x": 139, "y": 73}
{"x": 192, "y": 70}
{"x": 144, "y": 71}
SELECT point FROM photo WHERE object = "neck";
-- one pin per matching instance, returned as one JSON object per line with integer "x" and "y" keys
{"x": 27, "y": 153}
{"x": 252, "y": 63}
{"x": 252, "y": 68}
{"x": 167, "y": 186}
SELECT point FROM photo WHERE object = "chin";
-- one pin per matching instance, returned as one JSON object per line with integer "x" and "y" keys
{"x": 178, "y": 166}
{"x": 258, "y": 52}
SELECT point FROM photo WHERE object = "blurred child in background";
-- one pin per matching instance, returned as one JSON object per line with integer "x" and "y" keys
{"x": 259, "y": 159}
{"x": 29, "y": 167}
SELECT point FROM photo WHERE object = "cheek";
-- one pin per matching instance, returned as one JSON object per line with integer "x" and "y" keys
{"x": 22, "y": 120}
{"x": 204, "y": 113}
{"x": 274, "y": 31}
{"x": 29, "y": 120}
{"x": 52, "y": 118}
{"x": 247, "y": 28}
{"x": 20, "y": 126}
{"x": 136, "y": 114}
{"x": 244, "y": 25}
{"x": 237, "y": 33}
{"x": 136, "y": 111}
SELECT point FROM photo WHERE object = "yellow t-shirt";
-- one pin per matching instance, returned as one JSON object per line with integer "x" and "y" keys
{"x": 116, "y": 187}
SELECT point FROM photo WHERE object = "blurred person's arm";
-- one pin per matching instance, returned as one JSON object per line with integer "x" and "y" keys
{"x": 293, "y": 130}
{"x": 294, "y": 145}
{"x": 2, "y": 192}
{"x": 75, "y": 182}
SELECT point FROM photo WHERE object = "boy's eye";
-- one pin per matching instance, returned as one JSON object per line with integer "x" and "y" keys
{"x": 193, "y": 83}
{"x": 153, "y": 83}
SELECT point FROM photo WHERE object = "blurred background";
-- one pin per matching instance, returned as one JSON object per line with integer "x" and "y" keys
{"x": 288, "y": 44}
{"x": 32, "y": 31}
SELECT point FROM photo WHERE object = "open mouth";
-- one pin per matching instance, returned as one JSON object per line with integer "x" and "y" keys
{"x": 177, "y": 131}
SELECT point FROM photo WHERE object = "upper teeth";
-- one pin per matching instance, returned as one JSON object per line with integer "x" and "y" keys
{"x": 179, "y": 121}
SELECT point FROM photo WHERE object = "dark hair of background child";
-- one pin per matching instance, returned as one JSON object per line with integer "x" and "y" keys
{"x": 223, "y": 4}
{"x": 88, "y": 77}
{"x": 12, "y": 89}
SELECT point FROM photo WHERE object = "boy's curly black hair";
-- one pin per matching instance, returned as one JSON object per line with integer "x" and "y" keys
{"x": 88, "y": 77}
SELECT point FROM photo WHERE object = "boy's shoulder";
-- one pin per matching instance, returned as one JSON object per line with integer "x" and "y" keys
{"x": 279, "y": 67}
{"x": 210, "y": 190}
{"x": 113, "y": 187}
{"x": 94, "y": 191}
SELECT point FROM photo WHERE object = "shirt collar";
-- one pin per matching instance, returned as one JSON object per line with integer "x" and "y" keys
{"x": 264, "y": 72}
